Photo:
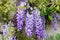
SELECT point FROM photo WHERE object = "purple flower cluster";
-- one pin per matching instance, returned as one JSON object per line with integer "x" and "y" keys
{"x": 34, "y": 22}
{"x": 54, "y": 22}
{"x": 24, "y": 0}
{"x": 19, "y": 20}
{"x": 20, "y": 14}
{"x": 57, "y": 16}
{"x": 44, "y": 25}
{"x": 39, "y": 22}
{"x": 12, "y": 38}
{"x": 29, "y": 24}
{"x": 6, "y": 33}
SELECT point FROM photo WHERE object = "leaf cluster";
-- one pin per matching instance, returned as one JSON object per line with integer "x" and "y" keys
{"x": 6, "y": 6}
{"x": 47, "y": 7}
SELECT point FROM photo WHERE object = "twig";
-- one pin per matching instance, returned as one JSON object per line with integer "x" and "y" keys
{"x": 1, "y": 32}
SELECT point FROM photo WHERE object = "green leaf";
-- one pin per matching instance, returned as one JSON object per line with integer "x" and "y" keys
{"x": 58, "y": 37}
{"x": 58, "y": 2}
{"x": 51, "y": 38}
{"x": 50, "y": 17}
{"x": 57, "y": 7}
{"x": 31, "y": 1}
{"x": 5, "y": 19}
{"x": 44, "y": 9}
{"x": 0, "y": 2}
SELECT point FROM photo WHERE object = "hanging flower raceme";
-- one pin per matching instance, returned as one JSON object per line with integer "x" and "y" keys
{"x": 5, "y": 31}
{"x": 22, "y": 3}
{"x": 24, "y": 0}
{"x": 20, "y": 14}
{"x": 29, "y": 24}
{"x": 19, "y": 20}
{"x": 54, "y": 22}
{"x": 12, "y": 38}
{"x": 8, "y": 32}
{"x": 39, "y": 24}
{"x": 44, "y": 25}
{"x": 57, "y": 16}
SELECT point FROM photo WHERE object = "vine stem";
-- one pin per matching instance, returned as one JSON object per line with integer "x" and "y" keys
{"x": 1, "y": 32}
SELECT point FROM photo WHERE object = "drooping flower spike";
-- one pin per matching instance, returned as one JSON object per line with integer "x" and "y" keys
{"x": 8, "y": 33}
{"x": 20, "y": 14}
{"x": 39, "y": 22}
{"x": 54, "y": 22}
{"x": 29, "y": 24}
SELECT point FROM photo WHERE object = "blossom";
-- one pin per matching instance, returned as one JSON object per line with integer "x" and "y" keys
{"x": 29, "y": 24}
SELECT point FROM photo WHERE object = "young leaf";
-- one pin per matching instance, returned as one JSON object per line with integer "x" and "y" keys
{"x": 50, "y": 17}
{"x": 57, "y": 7}
{"x": 31, "y": 1}
{"x": 51, "y": 38}
{"x": 58, "y": 37}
